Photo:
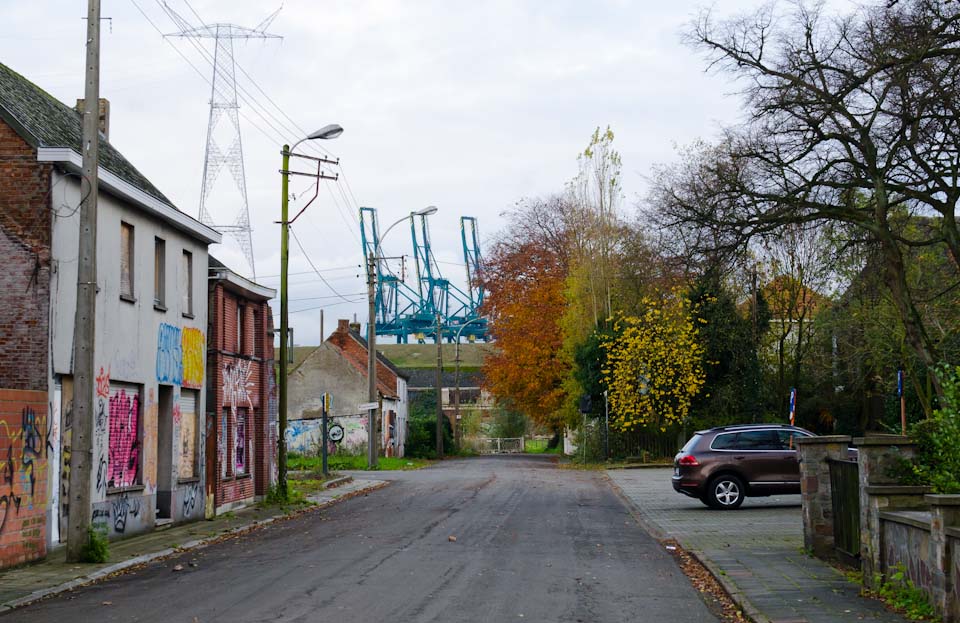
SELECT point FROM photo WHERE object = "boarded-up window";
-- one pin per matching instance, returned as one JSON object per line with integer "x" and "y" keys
{"x": 188, "y": 434}
{"x": 240, "y": 443}
{"x": 123, "y": 457}
{"x": 126, "y": 260}
{"x": 186, "y": 282}
{"x": 159, "y": 271}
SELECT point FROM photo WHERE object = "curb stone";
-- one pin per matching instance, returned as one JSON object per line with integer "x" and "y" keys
{"x": 732, "y": 590}
{"x": 190, "y": 545}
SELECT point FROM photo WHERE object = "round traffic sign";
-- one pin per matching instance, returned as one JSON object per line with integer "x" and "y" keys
{"x": 335, "y": 434}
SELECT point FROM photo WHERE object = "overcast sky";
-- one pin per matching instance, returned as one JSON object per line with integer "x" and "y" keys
{"x": 466, "y": 105}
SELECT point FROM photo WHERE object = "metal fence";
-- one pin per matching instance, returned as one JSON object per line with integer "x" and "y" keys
{"x": 595, "y": 442}
{"x": 499, "y": 445}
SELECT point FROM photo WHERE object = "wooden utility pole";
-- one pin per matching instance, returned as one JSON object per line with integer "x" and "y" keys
{"x": 372, "y": 444}
{"x": 81, "y": 457}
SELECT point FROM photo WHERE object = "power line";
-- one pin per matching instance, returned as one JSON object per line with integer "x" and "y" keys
{"x": 262, "y": 111}
{"x": 309, "y": 261}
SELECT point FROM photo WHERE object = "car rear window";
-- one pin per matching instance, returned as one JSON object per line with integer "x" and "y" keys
{"x": 687, "y": 447}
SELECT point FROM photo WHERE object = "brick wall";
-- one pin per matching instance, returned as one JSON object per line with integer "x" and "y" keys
{"x": 356, "y": 353}
{"x": 25, "y": 255}
{"x": 239, "y": 381}
{"x": 24, "y": 431}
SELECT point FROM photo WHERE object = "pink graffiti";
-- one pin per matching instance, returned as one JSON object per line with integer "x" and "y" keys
{"x": 124, "y": 449}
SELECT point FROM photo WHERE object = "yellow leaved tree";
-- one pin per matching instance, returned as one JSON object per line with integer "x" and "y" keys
{"x": 654, "y": 364}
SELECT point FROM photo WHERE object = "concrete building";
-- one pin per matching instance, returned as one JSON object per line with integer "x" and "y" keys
{"x": 241, "y": 391}
{"x": 339, "y": 367}
{"x": 150, "y": 343}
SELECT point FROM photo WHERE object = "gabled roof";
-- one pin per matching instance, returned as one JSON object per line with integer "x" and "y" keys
{"x": 44, "y": 121}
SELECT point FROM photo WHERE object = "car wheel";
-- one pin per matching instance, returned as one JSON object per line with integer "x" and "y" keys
{"x": 725, "y": 492}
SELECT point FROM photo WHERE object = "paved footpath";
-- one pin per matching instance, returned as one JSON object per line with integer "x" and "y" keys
{"x": 54, "y": 575}
{"x": 756, "y": 551}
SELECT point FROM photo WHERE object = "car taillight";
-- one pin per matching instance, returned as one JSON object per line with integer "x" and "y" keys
{"x": 688, "y": 460}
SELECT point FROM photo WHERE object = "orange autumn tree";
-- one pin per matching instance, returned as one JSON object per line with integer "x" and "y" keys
{"x": 524, "y": 278}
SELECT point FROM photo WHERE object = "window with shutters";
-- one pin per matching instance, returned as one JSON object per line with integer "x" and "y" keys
{"x": 186, "y": 283}
{"x": 188, "y": 434}
{"x": 124, "y": 439}
{"x": 159, "y": 273}
{"x": 126, "y": 262}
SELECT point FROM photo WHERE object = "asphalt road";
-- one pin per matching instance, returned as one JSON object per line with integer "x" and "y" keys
{"x": 532, "y": 543}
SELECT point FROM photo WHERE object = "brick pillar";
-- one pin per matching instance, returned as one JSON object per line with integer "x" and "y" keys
{"x": 879, "y": 458}
{"x": 816, "y": 491}
{"x": 944, "y": 512}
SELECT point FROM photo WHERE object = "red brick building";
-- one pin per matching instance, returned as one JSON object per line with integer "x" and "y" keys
{"x": 241, "y": 391}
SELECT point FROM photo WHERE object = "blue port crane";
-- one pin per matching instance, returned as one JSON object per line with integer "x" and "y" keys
{"x": 397, "y": 306}
{"x": 402, "y": 310}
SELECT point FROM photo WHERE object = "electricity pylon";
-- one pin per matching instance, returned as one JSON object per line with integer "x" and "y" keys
{"x": 223, "y": 104}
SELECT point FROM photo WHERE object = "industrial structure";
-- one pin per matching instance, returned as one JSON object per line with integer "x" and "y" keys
{"x": 403, "y": 310}
{"x": 232, "y": 212}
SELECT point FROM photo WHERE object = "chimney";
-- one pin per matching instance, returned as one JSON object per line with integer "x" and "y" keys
{"x": 343, "y": 325}
{"x": 104, "y": 114}
{"x": 355, "y": 326}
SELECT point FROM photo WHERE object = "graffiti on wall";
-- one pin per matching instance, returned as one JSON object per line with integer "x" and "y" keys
{"x": 194, "y": 351}
{"x": 190, "y": 496}
{"x": 121, "y": 513}
{"x": 188, "y": 443}
{"x": 237, "y": 385}
{"x": 222, "y": 447}
{"x": 303, "y": 436}
{"x": 169, "y": 355}
{"x": 100, "y": 426}
{"x": 240, "y": 449}
{"x": 150, "y": 442}
{"x": 23, "y": 465}
{"x": 66, "y": 426}
{"x": 103, "y": 383}
{"x": 123, "y": 507}
{"x": 124, "y": 457}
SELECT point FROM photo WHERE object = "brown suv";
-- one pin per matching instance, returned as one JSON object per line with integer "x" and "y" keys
{"x": 723, "y": 465}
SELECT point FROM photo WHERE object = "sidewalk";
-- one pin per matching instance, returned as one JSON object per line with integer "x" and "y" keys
{"x": 52, "y": 575}
{"x": 755, "y": 552}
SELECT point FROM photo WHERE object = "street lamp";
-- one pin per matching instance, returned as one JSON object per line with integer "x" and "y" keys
{"x": 327, "y": 132}
{"x": 372, "y": 259}
{"x": 458, "y": 433}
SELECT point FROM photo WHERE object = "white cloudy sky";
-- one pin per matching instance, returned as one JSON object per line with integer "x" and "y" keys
{"x": 466, "y": 105}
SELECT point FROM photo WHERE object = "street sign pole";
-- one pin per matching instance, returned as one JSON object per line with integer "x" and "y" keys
{"x": 325, "y": 406}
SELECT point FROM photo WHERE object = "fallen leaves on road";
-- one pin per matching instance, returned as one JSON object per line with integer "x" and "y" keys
{"x": 452, "y": 539}
{"x": 178, "y": 567}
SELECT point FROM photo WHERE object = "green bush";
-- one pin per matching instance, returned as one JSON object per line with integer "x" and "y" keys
{"x": 900, "y": 592}
{"x": 422, "y": 437}
{"x": 938, "y": 462}
{"x": 97, "y": 548}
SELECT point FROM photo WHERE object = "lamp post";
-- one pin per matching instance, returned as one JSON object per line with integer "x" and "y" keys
{"x": 457, "y": 433}
{"x": 327, "y": 132}
{"x": 372, "y": 398}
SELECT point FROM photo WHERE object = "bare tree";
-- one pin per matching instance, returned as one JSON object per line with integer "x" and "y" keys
{"x": 851, "y": 120}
